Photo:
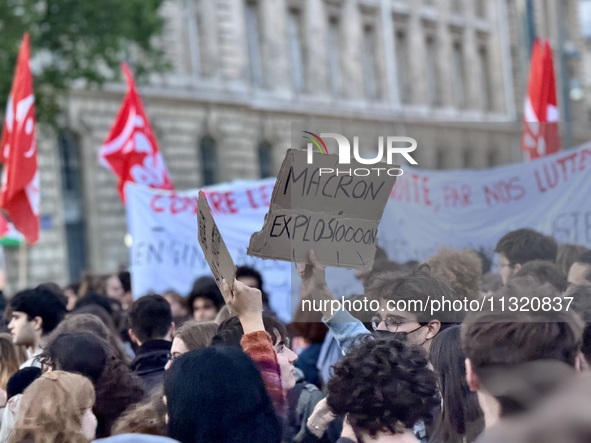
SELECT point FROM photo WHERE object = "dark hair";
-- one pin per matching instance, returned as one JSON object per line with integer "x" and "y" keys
{"x": 116, "y": 386}
{"x": 585, "y": 258}
{"x": 504, "y": 337}
{"x": 21, "y": 380}
{"x": 567, "y": 255}
{"x": 116, "y": 390}
{"x": 206, "y": 287}
{"x": 311, "y": 331}
{"x": 150, "y": 317}
{"x": 95, "y": 299}
{"x": 125, "y": 278}
{"x": 419, "y": 284}
{"x": 56, "y": 289}
{"x": 382, "y": 383}
{"x": 230, "y": 331}
{"x": 82, "y": 325}
{"x": 544, "y": 272}
{"x": 40, "y": 302}
{"x": 74, "y": 287}
{"x": 461, "y": 414}
{"x": 247, "y": 271}
{"x": 217, "y": 395}
{"x": 78, "y": 352}
{"x": 525, "y": 245}
{"x": 581, "y": 304}
{"x": 485, "y": 259}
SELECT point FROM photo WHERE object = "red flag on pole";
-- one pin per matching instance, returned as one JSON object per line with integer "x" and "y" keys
{"x": 19, "y": 193}
{"x": 540, "y": 123}
{"x": 131, "y": 150}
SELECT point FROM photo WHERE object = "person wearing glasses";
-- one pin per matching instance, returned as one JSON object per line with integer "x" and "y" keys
{"x": 420, "y": 285}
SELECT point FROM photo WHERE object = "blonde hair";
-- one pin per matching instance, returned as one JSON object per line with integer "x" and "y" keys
{"x": 51, "y": 409}
{"x": 147, "y": 417}
{"x": 196, "y": 334}
{"x": 10, "y": 359}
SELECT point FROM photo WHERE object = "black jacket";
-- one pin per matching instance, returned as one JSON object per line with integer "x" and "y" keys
{"x": 149, "y": 362}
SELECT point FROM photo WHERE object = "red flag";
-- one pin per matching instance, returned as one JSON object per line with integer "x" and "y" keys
{"x": 19, "y": 193}
{"x": 131, "y": 150}
{"x": 540, "y": 123}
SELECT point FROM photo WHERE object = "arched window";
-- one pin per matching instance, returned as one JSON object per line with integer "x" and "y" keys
{"x": 265, "y": 152}
{"x": 493, "y": 158}
{"x": 72, "y": 191}
{"x": 209, "y": 161}
{"x": 467, "y": 158}
{"x": 440, "y": 159}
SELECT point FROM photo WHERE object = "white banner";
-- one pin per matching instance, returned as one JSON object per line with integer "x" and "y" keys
{"x": 165, "y": 252}
{"x": 427, "y": 210}
{"x": 475, "y": 208}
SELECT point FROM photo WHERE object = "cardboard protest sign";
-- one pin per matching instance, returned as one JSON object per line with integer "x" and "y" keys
{"x": 213, "y": 246}
{"x": 337, "y": 215}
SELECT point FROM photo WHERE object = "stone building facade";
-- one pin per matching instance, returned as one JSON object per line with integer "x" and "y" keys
{"x": 242, "y": 71}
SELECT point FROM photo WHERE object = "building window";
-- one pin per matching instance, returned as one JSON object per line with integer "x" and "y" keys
{"x": 334, "y": 55}
{"x": 493, "y": 158}
{"x": 294, "y": 28}
{"x": 209, "y": 161}
{"x": 486, "y": 94}
{"x": 370, "y": 76}
{"x": 467, "y": 159}
{"x": 403, "y": 67}
{"x": 254, "y": 43}
{"x": 459, "y": 75}
{"x": 265, "y": 160}
{"x": 433, "y": 72}
{"x": 72, "y": 192}
{"x": 201, "y": 49}
{"x": 440, "y": 159}
{"x": 192, "y": 39}
{"x": 480, "y": 8}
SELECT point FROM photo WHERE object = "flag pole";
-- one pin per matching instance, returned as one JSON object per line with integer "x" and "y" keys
{"x": 23, "y": 265}
{"x": 566, "y": 117}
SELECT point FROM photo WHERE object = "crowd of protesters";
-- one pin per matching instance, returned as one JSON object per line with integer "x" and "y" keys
{"x": 89, "y": 362}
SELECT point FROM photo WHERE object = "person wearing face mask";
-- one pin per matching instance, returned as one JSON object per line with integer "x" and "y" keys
{"x": 415, "y": 327}
{"x": 388, "y": 288}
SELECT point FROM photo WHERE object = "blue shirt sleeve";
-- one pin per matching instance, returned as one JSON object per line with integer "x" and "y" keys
{"x": 345, "y": 328}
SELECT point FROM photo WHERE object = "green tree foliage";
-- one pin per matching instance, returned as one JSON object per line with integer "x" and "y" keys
{"x": 78, "y": 39}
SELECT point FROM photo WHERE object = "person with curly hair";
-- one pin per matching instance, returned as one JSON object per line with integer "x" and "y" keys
{"x": 385, "y": 387}
{"x": 56, "y": 408}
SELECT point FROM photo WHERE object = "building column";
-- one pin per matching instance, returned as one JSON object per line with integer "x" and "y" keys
{"x": 352, "y": 61}
{"x": 274, "y": 52}
{"x": 314, "y": 42}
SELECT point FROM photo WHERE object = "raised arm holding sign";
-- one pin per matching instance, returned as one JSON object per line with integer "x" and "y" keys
{"x": 215, "y": 250}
